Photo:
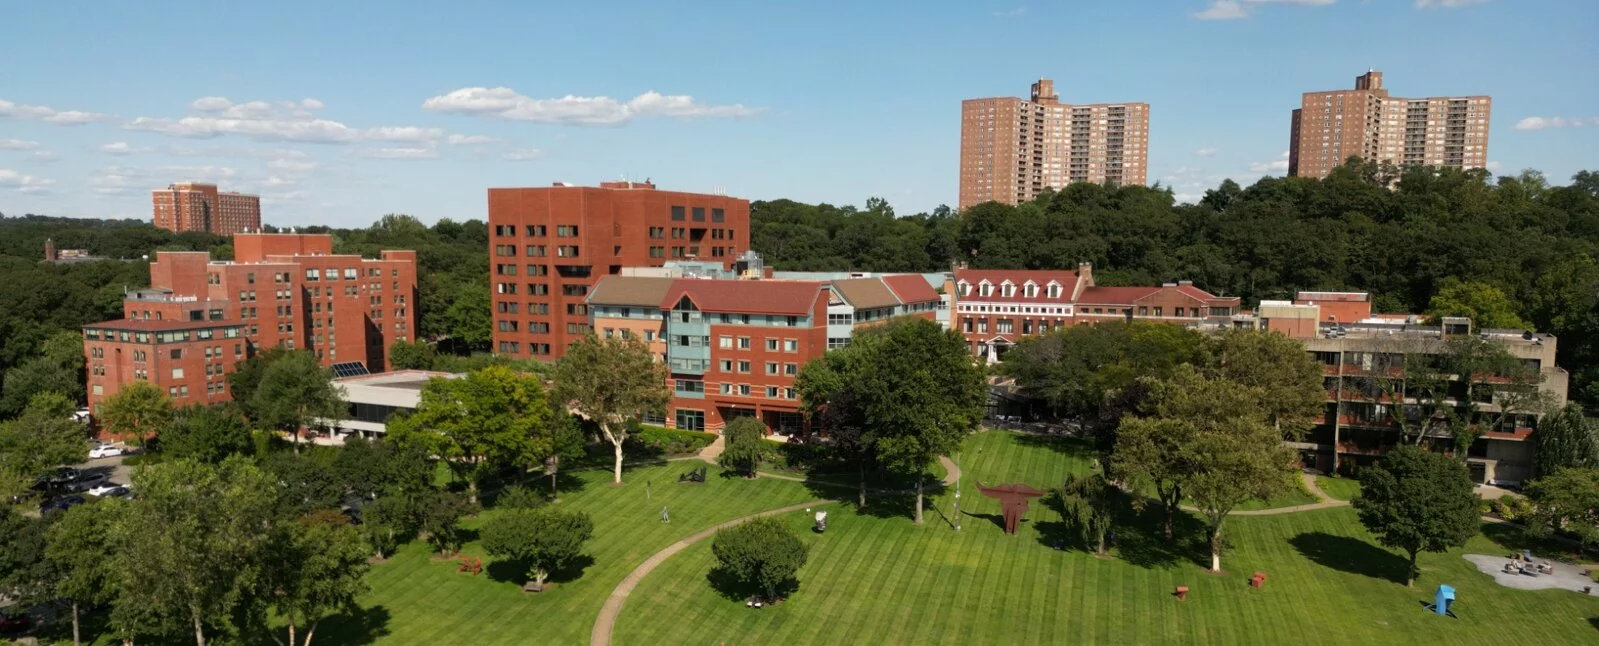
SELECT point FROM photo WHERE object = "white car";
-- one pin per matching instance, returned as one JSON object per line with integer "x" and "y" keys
{"x": 105, "y": 451}
{"x": 105, "y": 488}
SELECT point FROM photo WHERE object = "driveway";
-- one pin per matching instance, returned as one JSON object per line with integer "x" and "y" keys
{"x": 113, "y": 466}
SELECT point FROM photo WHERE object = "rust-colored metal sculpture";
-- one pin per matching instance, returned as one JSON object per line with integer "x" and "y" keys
{"x": 1012, "y": 501}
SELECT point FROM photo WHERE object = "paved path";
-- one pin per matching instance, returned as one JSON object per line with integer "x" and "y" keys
{"x": 714, "y": 449}
{"x": 1324, "y": 502}
{"x": 606, "y": 622}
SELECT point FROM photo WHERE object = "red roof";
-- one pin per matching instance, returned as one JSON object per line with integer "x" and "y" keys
{"x": 1115, "y": 295}
{"x": 911, "y": 288}
{"x": 156, "y": 325}
{"x": 1202, "y": 294}
{"x": 790, "y": 297}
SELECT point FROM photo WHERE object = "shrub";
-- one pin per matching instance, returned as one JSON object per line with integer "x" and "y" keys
{"x": 649, "y": 439}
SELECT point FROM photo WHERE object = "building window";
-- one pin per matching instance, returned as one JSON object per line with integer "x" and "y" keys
{"x": 690, "y": 386}
{"x": 725, "y": 343}
{"x": 744, "y": 367}
{"x": 771, "y": 368}
{"x": 678, "y": 214}
{"x": 534, "y": 251}
{"x": 790, "y": 345}
{"x": 791, "y": 369}
{"x": 536, "y": 230}
{"x": 743, "y": 343}
{"x": 727, "y": 365}
{"x": 717, "y": 215}
{"x": 699, "y": 214}
{"x": 840, "y": 319}
{"x": 566, "y": 231}
{"x": 658, "y": 233}
{"x": 772, "y": 391}
{"x": 771, "y": 345}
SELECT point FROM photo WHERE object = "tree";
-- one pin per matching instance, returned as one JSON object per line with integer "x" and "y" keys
{"x": 438, "y": 515}
{"x": 745, "y": 446}
{"x": 295, "y": 392}
{"x": 1486, "y": 305}
{"x": 59, "y": 369}
{"x": 1567, "y": 501}
{"x": 470, "y": 317}
{"x": 207, "y": 434}
{"x": 1417, "y": 501}
{"x": 492, "y": 417}
{"x": 1088, "y": 503}
{"x": 317, "y": 568}
{"x": 44, "y": 436}
{"x": 77, "y": 549}
{"x": 1288, "y": 379}
{"x": 567, "y": 444}
{"x": 546, "y": 539}
{"x": 1565, "y": 439}
{"x": 411, "y": 355}
{"x": 834, "y": 411}
{"x": 610, "y": 382}
{"x": 189, "y": 549}
{"x": 304, "y": 482}
{"x": 762, "y": 554}
{"x": 373, "y": 468}
{"x": 919, "y": 392}
{"x": 136, "y": 413}
{"x": 246, "y": 377}
{"x": 387, "y": 519}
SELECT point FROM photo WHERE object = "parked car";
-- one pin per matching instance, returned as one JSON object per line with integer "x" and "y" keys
{"x": 122, "y": 492}
{"x": 105, "y": 451}
{"x": 85, "y": 483}
{"x": 104, "y": 488}
{"x": 64, "y": 476}
{"x": 61, "y": 504}
{"x": 11, "y": 625}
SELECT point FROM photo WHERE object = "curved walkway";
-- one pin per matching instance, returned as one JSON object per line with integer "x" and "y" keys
{"x": 1324, "y": 501}
{"x": 606, "y": 622}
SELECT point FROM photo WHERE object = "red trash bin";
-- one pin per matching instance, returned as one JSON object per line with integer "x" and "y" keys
{"x": 1258, "y": 580}
{"x": 1182, "y": 593}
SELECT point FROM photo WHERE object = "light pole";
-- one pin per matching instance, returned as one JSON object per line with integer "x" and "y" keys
{"x": 957, "y": 493}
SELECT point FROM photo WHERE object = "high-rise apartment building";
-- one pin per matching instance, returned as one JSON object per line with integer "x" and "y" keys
{"x": 191, "y": 206}
{"x": 1012, "y": 149}
{"x": 549, "y": 245}
{"x": 1330, "y": 127}
{"x": 200, "y": 317}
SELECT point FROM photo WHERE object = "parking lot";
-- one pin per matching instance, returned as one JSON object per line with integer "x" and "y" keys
{"x": 113, "y": 467}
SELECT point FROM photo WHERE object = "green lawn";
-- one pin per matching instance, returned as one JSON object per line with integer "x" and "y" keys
{"x": 878, "y": 579}
{"x": 1339, "y": 488}
{"x": 415, "y": 600}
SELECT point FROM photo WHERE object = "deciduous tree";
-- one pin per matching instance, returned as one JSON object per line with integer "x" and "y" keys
{"x": 79, "y": 557}
{"x": 545, "y": 539}
{"x": 762, "y": 554}
{"x": 316, "y": 569}
{"x": 610, "y": 382}
{"x": 1567, "y": 501}
{"x": 44, "y": 436}
{"x": 208, "y": 433}
{"x": 745, "y": 446}
{"x": 1288, "y": 379}
{"x": 295, "y": 392}
{"x": 1088, "y": 504}
{"x": 1418, "y": 501}
{"x": 137, "y": 412}
{"x": 1565, "y": 439}
{"x": 493, "y": 417}
{"x": 438, "y": 515}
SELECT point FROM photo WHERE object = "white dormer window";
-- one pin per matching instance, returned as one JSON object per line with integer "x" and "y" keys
{"x": 965, "y": 288}
{"x": 1054, "y": 290}
{"x": 985, "y": 289}
{"x": 1030, "y": 289}
{"x": 1007, "y": 289}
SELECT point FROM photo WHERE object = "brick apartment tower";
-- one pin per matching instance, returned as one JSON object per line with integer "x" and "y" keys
{"x": 191, "y": 206}
{"x": 1330, "y": 127}
{"x": 1012, "y": 149}
{"x": 200, "y": 317}
{"x": 550, "y": 245}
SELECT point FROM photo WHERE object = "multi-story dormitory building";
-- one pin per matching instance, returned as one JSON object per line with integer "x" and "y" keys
{"x": 735, "y": 345}
{"x": 200, "y": 317}
{"x": 1356, "y": 347}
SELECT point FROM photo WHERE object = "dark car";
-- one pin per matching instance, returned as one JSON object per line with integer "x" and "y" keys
{"x": 10, "y": 625}
{"x": 88, "y": 482}
{"x": 64, "y": 476}
{"x": 119, "y": 491}
{"x": 61, "y": 504}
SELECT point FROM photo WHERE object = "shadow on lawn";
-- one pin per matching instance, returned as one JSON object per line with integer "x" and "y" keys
{"x": 1072, "y": 446}
{"x": 1351, "y": 555}
{"x": 516, "y": 571}
{"x": 364, "y": 626}
{"x": 1141, "y": 541}
{"x": 885, "y": 498}
{"x": 731, "y": 589}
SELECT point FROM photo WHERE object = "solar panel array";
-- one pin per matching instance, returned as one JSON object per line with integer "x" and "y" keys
{"x": 350, "y": 369}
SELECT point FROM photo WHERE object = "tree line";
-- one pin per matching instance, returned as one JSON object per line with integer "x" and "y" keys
{"x": 1511, "y": 245}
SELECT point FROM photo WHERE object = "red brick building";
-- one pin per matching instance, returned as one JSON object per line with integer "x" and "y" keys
{"x": 548, "y": 246}
{"x": 189, "y": 359}
{"x": 994, "y": 308}
{"x": 281, "y": 290}
{"x": 734, "y": 347}
{"x": 192, "y": 206}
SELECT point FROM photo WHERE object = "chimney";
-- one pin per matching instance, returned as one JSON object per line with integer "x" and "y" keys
{"x": 50, "y": 250}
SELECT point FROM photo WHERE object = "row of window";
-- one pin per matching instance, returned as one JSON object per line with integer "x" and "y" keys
{"x": 540, "y": 289}
{"x": 536, "y": 230}
{"x": 180, "y": 336}
{"x": 513, "y": 347}
{"x": 695, "y": 386}
{"x": 1008, "y": 290}
{"x": 773, "y": 368}
{"x": 698, "y": 214}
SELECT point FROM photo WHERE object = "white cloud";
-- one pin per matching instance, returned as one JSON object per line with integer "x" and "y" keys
{"x": 127, "y": 180}
{"x": 1205, "y": 152}
{"x": 505, "y": 103}
{"x": 1539, "y": 123}
{"x": 24, "y": 183}
{"x": 470, "y": 140}
{"x": 1011, "y": 13}
{"x": 12, "y": 110}
{"x": 46, "y": 156}
{"x": 17, "y": 144}
{"x": 121, "y": 148}
{"x": 292, "y": 165}
{"x": 396, "y": 153}
{"x": 1237, "y": 9}
{"x": 1446, "y": 4}
{"x": 272, "y": 121}
{"x": 521, "y": 154}
{"x": 1493, "y": 166}
{"x": 1280, "y": 165}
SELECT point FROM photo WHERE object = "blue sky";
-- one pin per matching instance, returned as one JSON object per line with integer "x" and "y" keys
{"x": 339, "y": 112}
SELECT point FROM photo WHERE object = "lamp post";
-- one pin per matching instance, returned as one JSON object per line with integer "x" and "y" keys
{"x": 957, "y": 494}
